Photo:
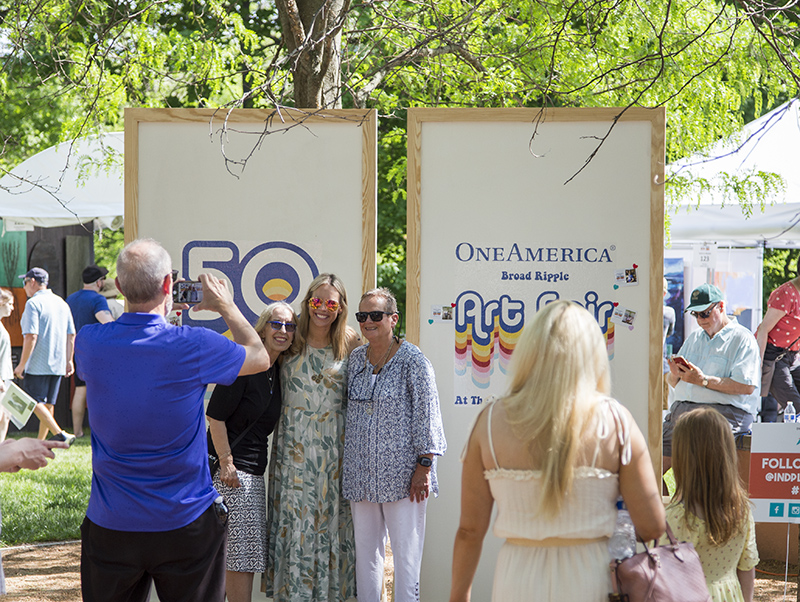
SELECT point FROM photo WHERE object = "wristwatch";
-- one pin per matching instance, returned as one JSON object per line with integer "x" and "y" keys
{"x": 705, "y": 382}
{"x": 425, "y": 461}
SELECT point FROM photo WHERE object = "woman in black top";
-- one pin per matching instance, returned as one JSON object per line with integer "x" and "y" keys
{"x": 242, "y": 450}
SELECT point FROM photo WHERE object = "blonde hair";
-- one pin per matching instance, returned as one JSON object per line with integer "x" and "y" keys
{"x": 558, "y": 370}
{"x": 706, "y": 474}
{"x": 5, "y": 296}
{"x": 266, "y": 317}
{"x": 338, "y": 332}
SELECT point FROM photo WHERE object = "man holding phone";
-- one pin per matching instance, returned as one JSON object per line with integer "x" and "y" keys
{"x": 718, "y": 366}
{"x": 152, "y": 515}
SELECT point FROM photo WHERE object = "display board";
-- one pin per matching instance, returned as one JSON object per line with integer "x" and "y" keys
{"x": 265, "y": 199}
{"x": 775, "y": 473}
{"x": 508, "y": 210}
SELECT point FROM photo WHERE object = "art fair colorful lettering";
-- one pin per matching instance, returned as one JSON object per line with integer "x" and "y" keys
{"x": 486, "y": 332}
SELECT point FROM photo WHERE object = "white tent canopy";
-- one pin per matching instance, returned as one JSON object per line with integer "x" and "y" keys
{"x": 768, "y": 144}
{"x": 66, "y": 185}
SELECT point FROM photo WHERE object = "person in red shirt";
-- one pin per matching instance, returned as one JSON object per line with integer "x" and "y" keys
{"x": 778, "y": 338}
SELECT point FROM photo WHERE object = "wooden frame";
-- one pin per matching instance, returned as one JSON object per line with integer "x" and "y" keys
{"x": 286, "y": 147}
{"x": 474, "y": 152}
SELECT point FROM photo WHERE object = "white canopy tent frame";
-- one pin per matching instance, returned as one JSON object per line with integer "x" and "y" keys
{"x": 768, "y": 144}
{"x": 67, "y": 184}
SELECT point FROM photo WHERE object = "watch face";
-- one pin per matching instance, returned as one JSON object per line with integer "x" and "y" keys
{"x": 423, "y": 461}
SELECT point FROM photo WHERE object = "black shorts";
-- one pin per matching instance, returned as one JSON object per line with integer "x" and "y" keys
{"x": 79, "y": 382}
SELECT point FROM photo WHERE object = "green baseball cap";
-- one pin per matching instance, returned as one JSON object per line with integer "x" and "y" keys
{"x": 704, "y": 296}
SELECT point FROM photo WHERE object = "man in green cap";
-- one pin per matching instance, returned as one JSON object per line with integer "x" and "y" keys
{"x": 718, "y": 366}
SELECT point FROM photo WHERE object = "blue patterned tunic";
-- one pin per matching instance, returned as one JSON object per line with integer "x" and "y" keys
{"x": 389, "y": 425}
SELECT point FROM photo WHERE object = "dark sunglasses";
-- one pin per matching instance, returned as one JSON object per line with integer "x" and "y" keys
{"x": 375, "y": 316}
{"x": 290, "y": 326}
{"x": 704, "y": 314}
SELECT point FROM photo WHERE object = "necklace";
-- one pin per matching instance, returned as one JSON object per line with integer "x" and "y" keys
{"x": 271, "y": 376}
{"x": 318, "y": 373}
{"x": 382, "y": 363}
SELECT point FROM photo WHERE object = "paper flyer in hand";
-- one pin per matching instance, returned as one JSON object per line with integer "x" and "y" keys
{"x": 18, "y": 404}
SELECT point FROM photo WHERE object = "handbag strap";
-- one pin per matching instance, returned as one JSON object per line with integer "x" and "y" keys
{"x": 656, "y": 565}
{"x": 252, "y": 424}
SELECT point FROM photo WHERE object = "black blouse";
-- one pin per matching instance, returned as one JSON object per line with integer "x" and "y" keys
{"x": 249, "y": 398}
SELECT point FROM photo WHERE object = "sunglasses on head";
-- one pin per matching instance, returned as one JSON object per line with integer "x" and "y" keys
{"x": 704, "y": 314}
{"x": 375, "y": 316}
{"x": 317, "y": 303}
{"x": 289, "y": 326}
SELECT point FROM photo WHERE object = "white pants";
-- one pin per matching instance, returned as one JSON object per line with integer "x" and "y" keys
{"x": 405, "y": 522}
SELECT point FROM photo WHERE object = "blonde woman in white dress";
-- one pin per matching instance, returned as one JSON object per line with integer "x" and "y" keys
{"x": 554, "y": 454}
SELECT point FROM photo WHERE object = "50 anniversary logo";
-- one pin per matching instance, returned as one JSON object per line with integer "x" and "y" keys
{"x": 269, "y": 272}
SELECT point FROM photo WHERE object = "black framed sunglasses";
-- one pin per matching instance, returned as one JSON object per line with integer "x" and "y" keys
{"x": 290, "y": 326}
{"x": 704, "y": 314}
{"x": 375, "y": 316}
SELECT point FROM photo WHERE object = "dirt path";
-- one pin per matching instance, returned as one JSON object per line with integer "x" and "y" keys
{"x": 51, "y": 573}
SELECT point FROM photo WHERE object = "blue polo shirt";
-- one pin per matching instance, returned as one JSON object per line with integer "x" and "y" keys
{"x": 145, "y": 381}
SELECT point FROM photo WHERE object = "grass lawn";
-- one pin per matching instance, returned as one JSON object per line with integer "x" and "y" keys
{"x": 48, "y": 504}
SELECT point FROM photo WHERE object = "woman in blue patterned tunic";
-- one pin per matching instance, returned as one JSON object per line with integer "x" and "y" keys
{"x": 394, "y": 431}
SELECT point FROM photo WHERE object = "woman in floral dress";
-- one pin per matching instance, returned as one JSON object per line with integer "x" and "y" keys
{"x": 311, "y": 548}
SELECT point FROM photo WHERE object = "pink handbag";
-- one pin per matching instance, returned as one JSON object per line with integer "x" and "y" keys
{"x": 668, "y": 573}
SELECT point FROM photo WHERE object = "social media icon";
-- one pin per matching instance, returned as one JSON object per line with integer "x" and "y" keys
{"x": 794, "y": 510}
{"x": 776, "y": 508}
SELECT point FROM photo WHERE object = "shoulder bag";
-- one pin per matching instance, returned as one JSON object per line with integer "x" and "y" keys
{"x": 668, "y": 573}
{"x": 213, "y": 461}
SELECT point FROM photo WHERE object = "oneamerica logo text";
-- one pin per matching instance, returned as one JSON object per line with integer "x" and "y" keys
{"x": 466, "y": 252}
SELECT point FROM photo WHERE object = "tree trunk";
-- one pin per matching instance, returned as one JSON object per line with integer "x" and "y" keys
{"x": 312, "y": 32}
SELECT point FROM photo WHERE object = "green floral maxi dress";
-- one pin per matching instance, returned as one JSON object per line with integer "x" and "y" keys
{"x": 311, "y": 545}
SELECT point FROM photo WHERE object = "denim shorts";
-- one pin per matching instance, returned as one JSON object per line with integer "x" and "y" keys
{"x": 42, "y": 387}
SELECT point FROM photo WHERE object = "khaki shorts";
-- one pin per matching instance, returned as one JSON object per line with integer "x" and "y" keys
{"x": 740, "y": 420}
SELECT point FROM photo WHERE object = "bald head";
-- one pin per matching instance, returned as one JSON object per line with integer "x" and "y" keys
{"x": 141, "y": 268}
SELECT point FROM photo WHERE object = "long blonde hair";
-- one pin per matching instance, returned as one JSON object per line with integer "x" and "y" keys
{"x": 706, "y": 474}
{"x": 338, "y": 332}
{"x": 559, "y": 370}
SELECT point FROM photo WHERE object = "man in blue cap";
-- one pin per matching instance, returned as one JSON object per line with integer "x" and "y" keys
{"x": 48, "y": 342}
{"x": 719, "y": 365}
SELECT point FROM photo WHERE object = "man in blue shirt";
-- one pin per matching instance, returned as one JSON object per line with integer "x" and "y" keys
{"x": 48, "y": 341}
{"x": 151, "y": 516}
{"x": 88, "y": 306}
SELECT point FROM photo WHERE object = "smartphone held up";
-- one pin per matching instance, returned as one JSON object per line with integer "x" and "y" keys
{"x": 187, "y": 291}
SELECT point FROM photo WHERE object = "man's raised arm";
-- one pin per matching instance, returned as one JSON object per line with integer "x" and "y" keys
{"x": 216, "y": 297}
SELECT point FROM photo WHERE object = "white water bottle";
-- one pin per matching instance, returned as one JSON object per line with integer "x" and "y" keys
{"x": 622, "y": 543}
{"x": 789, "y": 414}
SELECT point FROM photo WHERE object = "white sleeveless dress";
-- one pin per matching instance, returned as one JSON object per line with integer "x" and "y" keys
{"x": 527, "y": 571}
